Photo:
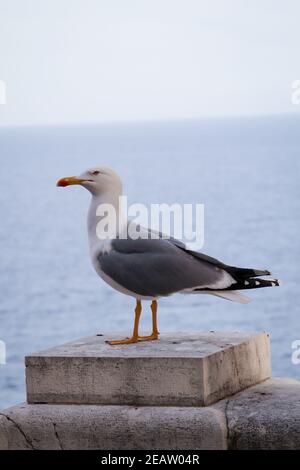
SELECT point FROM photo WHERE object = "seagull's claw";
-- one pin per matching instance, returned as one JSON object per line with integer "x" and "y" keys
{"x": 122, "y": 341}
{"x": 133, "y": 339}
{"x": 152, "y": 337}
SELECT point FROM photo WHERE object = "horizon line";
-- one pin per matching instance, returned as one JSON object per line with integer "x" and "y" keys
{"x": 244, "y": 117}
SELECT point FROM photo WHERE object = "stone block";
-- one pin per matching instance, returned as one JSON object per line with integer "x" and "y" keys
{"x": 180, "y": 369}
{"x": 90, "y": 427}
{"x": 265, "y": 417}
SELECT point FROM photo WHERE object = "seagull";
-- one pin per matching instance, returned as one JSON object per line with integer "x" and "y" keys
{"x": 148, "y": 268}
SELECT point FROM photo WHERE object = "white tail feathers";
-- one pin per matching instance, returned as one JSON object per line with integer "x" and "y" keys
{"x": 234, "y": 296}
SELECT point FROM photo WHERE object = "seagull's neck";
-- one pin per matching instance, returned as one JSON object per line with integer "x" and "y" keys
{"x": 105, "y": 221}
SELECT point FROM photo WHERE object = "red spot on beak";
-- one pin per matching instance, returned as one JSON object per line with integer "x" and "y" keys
{"x": 62, "y": 182}
{"x": 68, "y": 181}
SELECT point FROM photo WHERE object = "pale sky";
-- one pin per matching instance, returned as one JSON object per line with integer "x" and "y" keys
{"x": 86, "y": 61}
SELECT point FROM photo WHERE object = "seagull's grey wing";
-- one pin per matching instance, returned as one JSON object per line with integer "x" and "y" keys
{"x": 153, "y": 234}
{"x": 156, "y": 268}
{"x": 235, "y": 272}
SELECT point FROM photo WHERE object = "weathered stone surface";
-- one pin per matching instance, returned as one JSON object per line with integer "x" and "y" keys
{"x": 266, "y": 416}
{"x": 11, "y": 435}
{"x": 177, "y": 370}
{"x": 111, "y": 427}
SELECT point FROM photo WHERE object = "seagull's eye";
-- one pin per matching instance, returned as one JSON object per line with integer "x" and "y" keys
{"x": 96, "y": 172}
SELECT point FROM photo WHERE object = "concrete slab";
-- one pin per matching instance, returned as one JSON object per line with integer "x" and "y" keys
{"x": 111, "y": 427}
{"x": 186, "y": 369}
{"x": 266, "y": 416}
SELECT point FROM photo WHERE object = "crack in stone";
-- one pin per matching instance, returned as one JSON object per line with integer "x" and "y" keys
{"x": 29, "y": 442}
{"x": 227, "y": 422}
{"x": 57, "y": 437}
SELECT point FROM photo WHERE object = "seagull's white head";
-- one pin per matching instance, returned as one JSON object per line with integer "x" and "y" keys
{"x": 98, "y": 181}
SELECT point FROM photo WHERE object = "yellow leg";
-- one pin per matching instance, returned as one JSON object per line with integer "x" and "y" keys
{"x": 155, "y": 333}
{"x": 135, "y": 334}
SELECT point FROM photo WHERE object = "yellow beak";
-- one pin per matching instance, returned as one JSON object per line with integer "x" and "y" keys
{"x": 69, "y": 180}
